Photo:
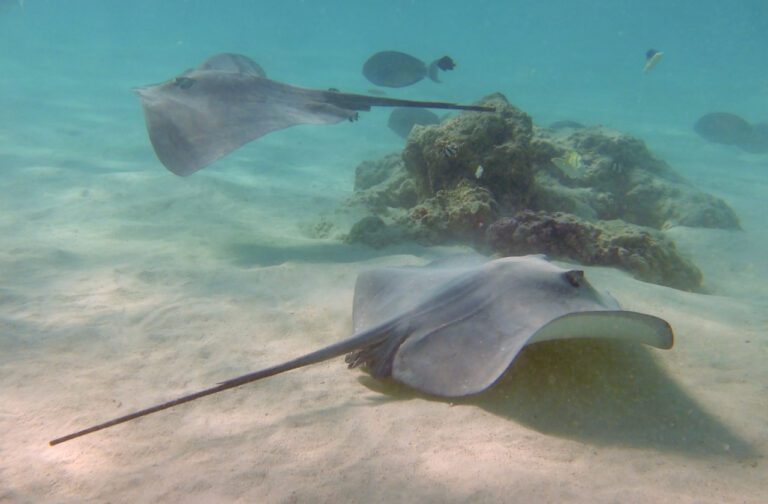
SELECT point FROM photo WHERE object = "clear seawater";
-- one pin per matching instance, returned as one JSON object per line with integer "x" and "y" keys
{"x": 88, "y": 214}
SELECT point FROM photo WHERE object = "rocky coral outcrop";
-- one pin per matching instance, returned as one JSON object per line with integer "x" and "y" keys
{"x": 615, "y": 176}
{"x": 644, "y": 252}
{"x": 454, "y": 180}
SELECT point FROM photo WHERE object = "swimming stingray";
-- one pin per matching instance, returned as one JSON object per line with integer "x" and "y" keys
{"x": 397, "y": 69}
{"x": 206, "y": 113}
{"x": 452, "y": 329}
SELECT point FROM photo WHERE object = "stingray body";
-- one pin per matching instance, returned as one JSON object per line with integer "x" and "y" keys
{"x": 397, "y": 69}
{"x": 232, "y": 62}
{"x": 453, "y": 328}
{"x": 206, "y": 113}
{"x": 402, "y": 120}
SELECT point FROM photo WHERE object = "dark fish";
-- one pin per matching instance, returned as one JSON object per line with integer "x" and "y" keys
{"x": 231, "y": 62}
{"x": 402, "y": 120}
{"x": 652, "y": 57}
{"x": 567, "y": 124}
{"x": 650, "y": 53}
{"x": 397, "y": 69}
{"x": 757, "y": 143}
{"x": 724, "y": 128}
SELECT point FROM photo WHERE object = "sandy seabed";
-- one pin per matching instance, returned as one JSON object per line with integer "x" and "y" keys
{"x": 123, "y": 286}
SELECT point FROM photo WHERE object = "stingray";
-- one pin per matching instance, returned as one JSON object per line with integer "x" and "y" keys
{"x": 452, "y": 329}
{"x": 206, "y": 113}
{"x": 397, "y": 69}
{"x": 231, "y": 62}
{"x": 723, "y": 128}
{"x": 402, "y": 120}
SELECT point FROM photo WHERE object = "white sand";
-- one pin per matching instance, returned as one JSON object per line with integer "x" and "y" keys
{"x": 123, "y": 286}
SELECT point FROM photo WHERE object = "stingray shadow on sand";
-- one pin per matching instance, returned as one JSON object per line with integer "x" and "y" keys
{"x": 246, "y": 255}
{"x": 602, "y": 392}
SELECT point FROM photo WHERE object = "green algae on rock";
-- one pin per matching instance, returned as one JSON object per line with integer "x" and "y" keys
{"x": 613, "y": 196}
{"x": 646, "y": 253}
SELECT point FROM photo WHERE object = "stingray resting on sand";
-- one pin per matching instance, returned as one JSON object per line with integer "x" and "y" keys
{"x": 206, "y": 113}
{"x": 452, "y": 328}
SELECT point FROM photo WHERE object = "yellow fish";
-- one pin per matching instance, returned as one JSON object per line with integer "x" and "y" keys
{"x": 571, "y": 163}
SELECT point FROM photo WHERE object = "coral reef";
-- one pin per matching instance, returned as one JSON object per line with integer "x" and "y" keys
{"x": 644, "y": 252}
{"x": 384, "y": 184}
{"x": 601, "y": 196}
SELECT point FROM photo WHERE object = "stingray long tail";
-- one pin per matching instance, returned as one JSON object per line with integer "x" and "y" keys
{"x": 364, "y": 102}
{"x": 371, "y": 336}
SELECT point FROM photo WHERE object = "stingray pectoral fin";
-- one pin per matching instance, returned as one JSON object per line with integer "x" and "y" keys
{"x": 613, "y": 324}
{"x": 468, "y": 356}
{"x": 461, "y": 358}
{"x": 203, "y": 115}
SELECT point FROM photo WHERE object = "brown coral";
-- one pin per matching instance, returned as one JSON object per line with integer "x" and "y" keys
{"x": 455, "y": 178}
{"x": 645, "y": 252}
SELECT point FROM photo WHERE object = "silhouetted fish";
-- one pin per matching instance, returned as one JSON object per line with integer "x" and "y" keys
{"x": 397, "y": 69}
{"x": 402, "y": 120}
{"x": 724, "y": 128}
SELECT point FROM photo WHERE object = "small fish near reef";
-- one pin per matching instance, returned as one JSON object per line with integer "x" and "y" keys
{"x": 570, "y": 163}
{"x": 652, "y": 58}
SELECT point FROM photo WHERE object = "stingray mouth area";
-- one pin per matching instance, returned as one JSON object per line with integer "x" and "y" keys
{"x": 149, "y": 93}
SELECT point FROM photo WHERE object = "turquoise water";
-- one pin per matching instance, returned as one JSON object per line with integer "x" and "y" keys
{"x": 121, "y": 283}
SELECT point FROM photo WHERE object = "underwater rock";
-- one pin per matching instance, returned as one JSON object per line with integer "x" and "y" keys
{"x": 384, "y": 184}
{"x": 451, "y": 215}
{"x": 566, "y": 124}
{"x": 374, "y": 232}
{"x": 646, "y": 253}
{"x": 440, "y": 157}
{"x": 455, "y": 178}
{"x": 624, "y": 181}
{"x": 371, "y": 173}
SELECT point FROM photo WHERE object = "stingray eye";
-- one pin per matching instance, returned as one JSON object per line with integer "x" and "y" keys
{"x": 183, "y": 82}
{"x": 574, "y": 277}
